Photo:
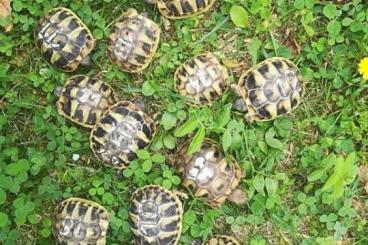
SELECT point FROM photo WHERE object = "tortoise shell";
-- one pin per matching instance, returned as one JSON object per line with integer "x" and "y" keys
{"x": 271, "y": 89}
{"x": 84, "y": 99}
{"x": 64, "y": 39}
{"x": 80, "y": 222}
{"x": 202, "y": 79}
{"x": 133, "y": 41}
{"x": 222, "y": 240}
{"x": 180, "y": 9}
{"x": 155, "y": 216}
{"x": 122, "y": 130}
{"x": 207, "y": 173}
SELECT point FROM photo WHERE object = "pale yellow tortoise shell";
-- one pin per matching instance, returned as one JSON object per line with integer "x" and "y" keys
{"x": 180, "y": 9}
{"x": 270, "y": 89}
{"x": 84, "y": 99}
{"x": 207, "y": 173}
{"x": 64, "y": 40}
{"x": 133, "y": 41}
{"x": 122, "y": 130}
{"x": 201, "y": 79}
{"x": 155, "y": 216}
{"x": 80, "y": 222}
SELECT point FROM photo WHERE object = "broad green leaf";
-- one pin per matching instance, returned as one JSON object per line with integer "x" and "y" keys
{"x": 168, "y": 120}
{"x": 14, "y": 169}
{"x": 224, "y": 116}
{"x": 226, "y": 139}
{"x": 259, "y": 183}
{"x": 2, "y": 196}
{"x": 3, "y": 219}
{"x": 338, "y": 189}
{"x": 254, "y": 48}
{"x": 316, "y": 175}
{"x": 143, "y": 154}
{"x": 330, "y": 182}
{"x": 330, "y": 11}
{"x": 239, "y": 16}
{"x": 147, "y": 165}
{"x": 271, "y": 185}
{"x": 169, "y": 141}
{"x": 188, "y": 127}
{"x": 196, "y": 143}
{"x": 158, "y": 158}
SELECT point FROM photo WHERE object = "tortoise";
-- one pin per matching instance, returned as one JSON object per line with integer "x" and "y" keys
{"x": 133, "y": 42}
{"x": 64, "y": 40}
{"x": 270, "y": 89}
{"x": 155, "y": 216}
{"x": 222, "y": 240}
{"x": 209, "y": 175}
{"x": 181, "y": 9}
{"x": 122, "y": 130}
{"x": 202, "y": 79}
{"x": 78, "y": 221}
{"x": 83, "y": 99}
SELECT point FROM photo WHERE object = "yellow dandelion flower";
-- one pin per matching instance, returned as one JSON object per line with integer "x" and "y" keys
{"x": 363, "y": 68}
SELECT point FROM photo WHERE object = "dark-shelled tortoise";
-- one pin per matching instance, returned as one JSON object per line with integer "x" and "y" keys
{"x": 64, "y": 40}
{"x": 133, "y": 41}
{"x": 80, "y": 222}
{"x": 83, "y": 99}
{"x": 201, "y": 79}
{"x": 209, "y": 175}
{"x": 180, "y": 9}
{"x": 155, "y": 216}
{"x": 222, "y": 240}
{"x": 122, "y": 130}
{"x": 269, "y": 89}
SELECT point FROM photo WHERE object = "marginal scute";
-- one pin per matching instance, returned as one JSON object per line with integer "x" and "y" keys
{"x": 180, "y": 9}
{"x": 64, "y": 39}
{"x": 270, "y": 89}
{"x": 222, "y": 240}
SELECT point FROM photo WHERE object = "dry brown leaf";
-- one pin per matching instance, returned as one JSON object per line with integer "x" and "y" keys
{"x": 5, "y": 11}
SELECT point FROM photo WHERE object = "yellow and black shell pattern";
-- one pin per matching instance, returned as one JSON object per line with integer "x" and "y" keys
{"x": 133, "y": 41}
{"x": 180, "y": 9}
{"x": 84, "y": 99}
{"x": 207, "y": 173}
{"x": 64, "y": 39}
{"x": 201, "y": 79}
{"x": 270, "y": 89}
{"x": 155, "y": 216}
{"x": 222, "y": 240}
{"x": 80, "y": 222}
{"x": 122, "y": 130}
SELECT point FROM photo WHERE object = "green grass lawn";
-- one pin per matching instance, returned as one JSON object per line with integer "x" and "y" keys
{"x": 300, "y": 170}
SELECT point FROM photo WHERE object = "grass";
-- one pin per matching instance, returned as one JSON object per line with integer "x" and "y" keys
{"x": 289, "y": 163}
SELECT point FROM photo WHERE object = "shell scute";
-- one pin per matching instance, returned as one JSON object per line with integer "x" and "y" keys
{"x": 271, "y": 89}
{"x": 155, "y": 216}
{"x": 207, "y": 173}
{"x": 78, "y": 222}
{"x": 64, "y": 39}
{"x": 133, "y": 42}
{"x": 83, "y": 99}
{"x": 201, "y": 79}
{"x": 121, "y": 132}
